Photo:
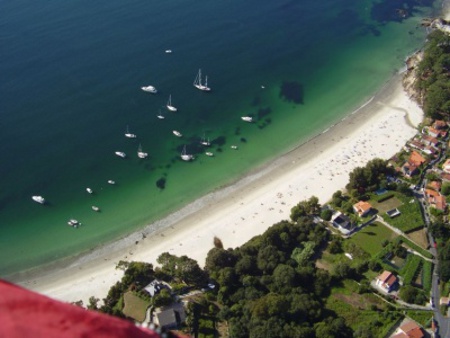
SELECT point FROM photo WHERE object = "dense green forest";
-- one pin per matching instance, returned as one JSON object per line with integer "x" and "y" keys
{"x": 433, "y": 76}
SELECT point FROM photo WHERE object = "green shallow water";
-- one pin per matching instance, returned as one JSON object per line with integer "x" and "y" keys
{"x": 72, "y": 74}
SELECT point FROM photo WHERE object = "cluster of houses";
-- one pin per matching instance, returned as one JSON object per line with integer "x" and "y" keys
{"x": 424, "y": 149}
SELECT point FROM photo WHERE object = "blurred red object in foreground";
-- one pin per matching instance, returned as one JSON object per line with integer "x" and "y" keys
{"x": 24, "y": 313}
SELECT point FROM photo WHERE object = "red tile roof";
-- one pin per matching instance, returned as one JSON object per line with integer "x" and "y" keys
{"x": 416, "y": 159}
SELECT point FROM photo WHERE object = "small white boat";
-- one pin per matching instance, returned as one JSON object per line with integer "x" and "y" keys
{"x": 210, "y": 154}
{"x": 234, "y": 147}
{"x": 121, "y": 154}
{"x": 168, "y": 51}
{"x": 89, "y": 190}
{"x": 141, "y": 153}
{"x": 169, "y": 104}
{"x": 95, "y": 208}
{"x": 247, "y": 118}
{"x": 149, "y": 89}
{"x": 185, "y": 156}
{"x": 74, "y": 223}
{"x": 198, "y": 82}
{"x": 160, "y": 115}
{"x": 111, "y": 182}
{"x": 128, "y": 134}
{"x": 263, "y": 87}
{"x": 38, "y": 199}
{"x": 177, "y": 133}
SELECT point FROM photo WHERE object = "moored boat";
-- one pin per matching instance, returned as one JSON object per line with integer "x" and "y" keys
{"x": 185, "y": 156}
{"x": 149, "y": 89}
{"x": 128, "y": 134}
{"x": 89, "y": 190}
{"x": 177, "y": 133}
{"x": 141, "y": 153}
{"x": 120, "y": 154}
{"x": 95, "y": 208}
{"x": 160, "y": 115}
{"x": 247, "y": 118}
{"x": 198, "y": 82}
{"x": 73, "y": 223}
{"x": 210, "y": 154}
{"x": 111, "y": 182}
{"x": 38, "y": 199}
{"x": 169, "y": 104}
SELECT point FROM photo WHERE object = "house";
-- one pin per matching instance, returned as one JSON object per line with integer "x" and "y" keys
{"x": 170, "y": 317}
{"x": 416, "y": 159}
{"x": 362, "y": 208}
{"x": 435, "y": 199}
{"x": 440, "y": 125}
{"x": 409, "y": 330}
{"x": 435, "y": 185}
{"x": 430, "y": 140}
{"x": 155, "y": 287}
{"x": 412, "y": 165}
{"x": 342, "y": 222}
{"x": 444, "y": 301}
{"x": 386, "y": 281}
{"x": 433, "y": 132}
{"x": 445, "y": 177}
{"x": 446, "y": 166}
{"x": 409, "y": 169}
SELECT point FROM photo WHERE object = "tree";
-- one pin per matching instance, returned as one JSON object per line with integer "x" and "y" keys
{"x": 326, "y": 214}
{"x": 284, "y": 278}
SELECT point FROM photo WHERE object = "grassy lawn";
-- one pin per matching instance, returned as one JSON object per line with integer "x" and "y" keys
{"x": 410, "y": 218}
{"x": 419, "y": 237}
{"x": 384, "y": 206}
{"x": 421, "y": 317}
{"x": 371, "y": 237}
{"x": 134, "y": 307}
{"x": 359, "y": 309}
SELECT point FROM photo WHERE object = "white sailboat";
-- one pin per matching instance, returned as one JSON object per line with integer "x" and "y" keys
{"x": 169, "y": 104}
{"x": 128, "y": 134}
{"x": 141, "y": 153}
{"x": 198, "y": 82}
{"x": 89, "y": 190}
{"x": 205, "y": 142}
{"x": 160, "y": 115}
{"x": 185, "y": 156}
{"x": 120, "y": 154}
{"x": 210, "y": 154}
{"x": 247, "y": 118}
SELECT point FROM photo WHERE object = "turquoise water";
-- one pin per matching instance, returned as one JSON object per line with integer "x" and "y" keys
{"x": 71, "y": 78}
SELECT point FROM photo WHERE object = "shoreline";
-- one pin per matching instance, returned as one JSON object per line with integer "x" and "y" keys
{"x": 247, "y": 207}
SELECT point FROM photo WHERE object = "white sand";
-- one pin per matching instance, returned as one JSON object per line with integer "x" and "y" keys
{"x": 247, "y": 208}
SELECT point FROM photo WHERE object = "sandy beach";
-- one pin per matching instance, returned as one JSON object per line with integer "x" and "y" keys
{"x": 249, "y": 206}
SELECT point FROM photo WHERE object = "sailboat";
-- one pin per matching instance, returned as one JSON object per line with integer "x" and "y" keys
{"x": 198, "y": 82}
{"x": 140, "y": 153}
{"x": 169, "y": 104}
{"x": 128, "y": 134}
{"x": 185, "y": 156}
{"x": 205, "y": 142}
{"x": 160, "y": 115}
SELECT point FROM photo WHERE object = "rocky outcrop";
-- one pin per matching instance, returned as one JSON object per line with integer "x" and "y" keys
{"x": 410, "y": 77}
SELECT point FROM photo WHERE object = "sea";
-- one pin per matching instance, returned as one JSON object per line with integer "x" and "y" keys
{"x": 70, "y": 86}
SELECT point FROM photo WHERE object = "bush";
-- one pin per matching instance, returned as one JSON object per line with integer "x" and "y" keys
{"x": 385, "y": 198}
